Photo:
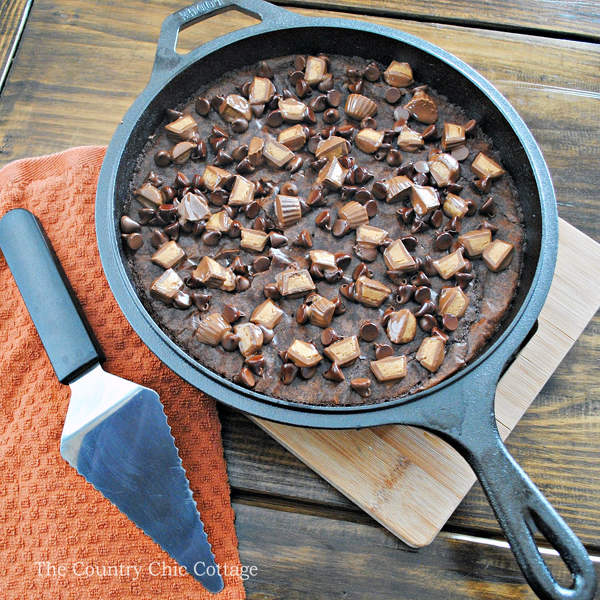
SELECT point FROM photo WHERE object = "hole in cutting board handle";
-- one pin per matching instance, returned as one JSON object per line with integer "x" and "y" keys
{"x": 221, "y": 23}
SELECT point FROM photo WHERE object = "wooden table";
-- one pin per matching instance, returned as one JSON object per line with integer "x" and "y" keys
{"x": 71, "y": 68}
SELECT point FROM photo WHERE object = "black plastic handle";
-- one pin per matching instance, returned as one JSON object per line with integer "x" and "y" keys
{"x": 521, "y": 508}
{"x": 50, "y": 300}
{"x": 167, "y": 59}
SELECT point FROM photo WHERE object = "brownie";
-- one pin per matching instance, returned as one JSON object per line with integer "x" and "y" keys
{"x": 419, "y": 225}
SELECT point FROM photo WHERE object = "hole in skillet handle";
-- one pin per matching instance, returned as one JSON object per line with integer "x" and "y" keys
{"x": 225, "y": 22}
{"x": 167, "y": 60}
{"x": 521, "y": 509}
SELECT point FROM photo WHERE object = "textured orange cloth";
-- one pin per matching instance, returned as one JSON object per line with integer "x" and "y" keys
{"x": 55, "y": 528}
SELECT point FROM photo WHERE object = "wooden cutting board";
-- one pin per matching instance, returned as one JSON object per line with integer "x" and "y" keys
{"x": 409, "y": 480}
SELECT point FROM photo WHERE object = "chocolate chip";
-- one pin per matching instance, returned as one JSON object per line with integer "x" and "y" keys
{"x": 304, "y": 240}
{"x": 410, "y": 242}
{"x": 162, "y": 158}
{"x": 244, "y": 167}
{"x": 318, "y": 103}
{"x": 363, "y": 195}
{"x": 268, "y": 334}
{"x": 172, "y": 231}
{"x": 362, "y": 175}
{"x": 182, "y": 300}
{"x": 146, "y": 215}
{"x": 334, "y": 98}
{"x": 229, "y": 341}
{"x": 394, "y": 158}
{"x": 128, "y": 225}
{"x": 302, "y": 314}
{"x": 443, "y": 241}
{"x": 231, "y": 314}
{"x": 245, "y": 378}
{"x": 309, "y": 116}
{"x": 488, "y": 225}
{"x": 296, "y": 76}
{"x": 333, "y": 276}
{"x": 379, "y": 190}
{"x": 369, "y": 332}
{"x": 256, "y": 364}
{"x": 393, "y": 95}
{"x": 347, "y": 290}
{"x": 134, "y": 241}
{"x": 222, "y": 158}
{"x": 401, "y": 114}
{"x": 242, "y": 283}
{"x": 420, "y": 279}
{"x": 340, "y": 228}
{"x": 331, "y": 115}
{"x": 362, "y": 386}
{"x": 427, "y": 308}
{"x": 326, "y": 84}
{"x": 288, "y": 373}
{"x": 238, "y": 266}
{"x": 303, "y": 89}
{"x": 158, "y": 238}
{"x": 453, "y": 226}
{"x": 272, "y": 292}
{"x": 383, "y": 351}
{"x": 488, "y": 208}
{"x": 360, "y": 270}
{"x": 277, "y": 239}
{"x": 471, "y": 127}
{"x": 211, "y": 238}
{"x": 219, "y": 197}
{"x": 483, "y": 185}
{"x": 308, "y": 372}
{"x": 405, "y": 293}
{"x": 334, "y": 373}
{"x": 202, "y": 106}
{"x": 274, "y": 118}
{"x": 450, "y": 322}
{"x": 371, "y": 207}
{"x": 294, "y": 165}
{"x": 239, "y": 125}
{"x": 427, "y": 323}
{"x": 261, "y": 264}
{"x": 264, "y": 70}
{"x": 368, "y": 123}
{"x": 347, "y": 192}
{"x": 300, "y": 63}
{"x": 436, "y": 332}
{"x": 461, "y": 153}
{"x": 471, "y": 207}
{"x": 169, "y": 193}
{"x": 422, "y": 294}
{"x": 420, "y": 179}
{"x": 366, "y": 252}
{"x": 464, "y": 279}
{"x": 356, "y": 88}
{"x": 418, "y": 225}
{"x": 372, "y": 72}
{"x": 216, "y": 102}
{"x": 454, "y": 247}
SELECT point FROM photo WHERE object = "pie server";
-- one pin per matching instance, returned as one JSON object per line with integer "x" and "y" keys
{"x": 116, "y": 433}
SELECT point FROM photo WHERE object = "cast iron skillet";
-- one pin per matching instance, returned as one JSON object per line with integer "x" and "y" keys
{"x": 460, "y": 409}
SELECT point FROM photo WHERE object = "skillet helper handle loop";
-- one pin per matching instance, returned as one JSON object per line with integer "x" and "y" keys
{"x": 167, "y": 59}
{"x": 520, "y": 508}
{"x": 50, "y": 300}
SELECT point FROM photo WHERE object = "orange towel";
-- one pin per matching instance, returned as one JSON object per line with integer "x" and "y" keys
{"x": 60, "y": 538}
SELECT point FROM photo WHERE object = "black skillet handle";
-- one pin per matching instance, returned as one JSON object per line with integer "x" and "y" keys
{"x": 167, "y": 59}
{"x": 520, "y": 508}
{"x": 54, "y": 309}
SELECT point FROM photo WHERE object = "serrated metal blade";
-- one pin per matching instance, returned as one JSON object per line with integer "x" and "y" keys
{"x": 116, "y": 435}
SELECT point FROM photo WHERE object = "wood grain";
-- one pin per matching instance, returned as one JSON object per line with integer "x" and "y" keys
{"x": 14, "y": 14}
{"x": 300, "y": 556}
{"x": 568, "y": 18}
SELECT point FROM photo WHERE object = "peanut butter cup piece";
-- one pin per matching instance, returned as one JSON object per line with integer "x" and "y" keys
{"x": 370, "y": 292}
{"x": 431, "y": 353}
{"x": 401, "y": 326}
{"x": 166, "y": 287}
{"x": 452, "y": 301}
{"x": 294, "y": 283}
{"x": 235, "y": 107}
{"x": 275, "y": 153}
{"x": 423, "y": 108}
{"x": 453, "y": 136}
{"x": 293, "y": 137}
{"x": 360, "y": 107}
{"x": 475, "y": 241}
{"x": 168, "y": 255}
{"x": 253, "y": 239}
{"x": 450, "y": 265}
{"x": 250, "y": 338}
{"x": 181, "y": 129}
{"x": 498, "y": 255}
{"x": 485, "y": 168}
{"x": 391, "y": 368}
{"x": 343, "y": 352}
{"x": 303, "y": 354}
{"x": 398, "y": 74}
{"x": 212, "y": 329}
{"x": 288, "y": 210}
{"x": 369, "y": 140}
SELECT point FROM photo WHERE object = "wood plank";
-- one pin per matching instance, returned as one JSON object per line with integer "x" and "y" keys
{"x": 301, "y": 556}
{"x": 78, "y": 96}
{"x": 12, "y": 22}
{"x": 569, "y": 19}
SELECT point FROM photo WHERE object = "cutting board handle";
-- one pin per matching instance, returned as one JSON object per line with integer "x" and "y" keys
{"x": 50, "y": 300}
{"x": 521, "y": 510}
